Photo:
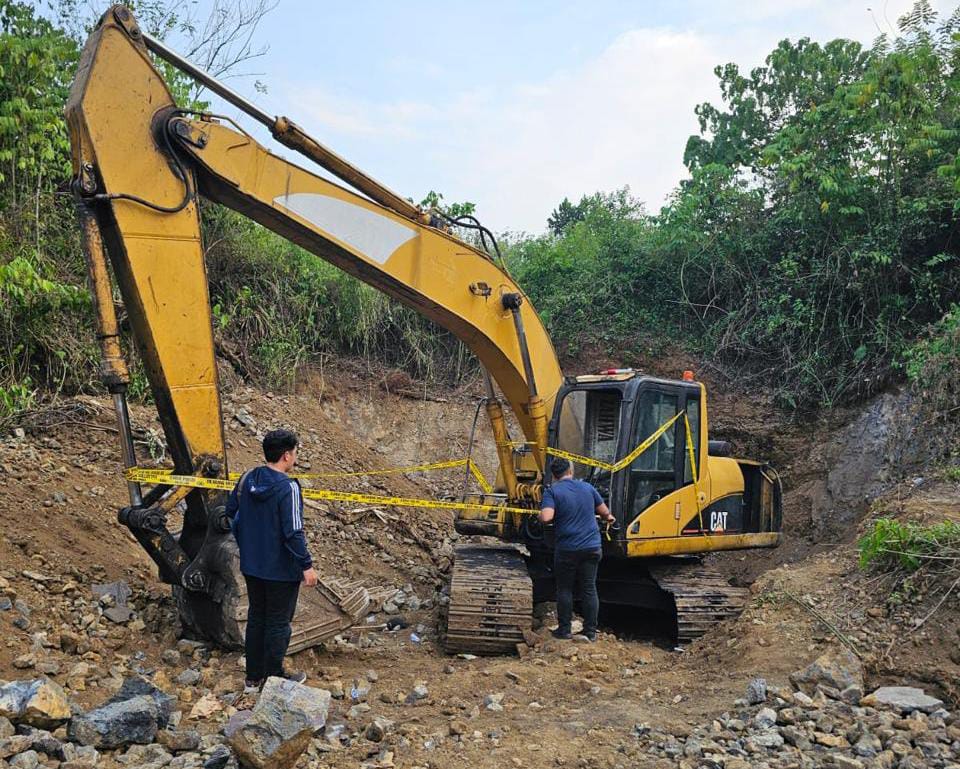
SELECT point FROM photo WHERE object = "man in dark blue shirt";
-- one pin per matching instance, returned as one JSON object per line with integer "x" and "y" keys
{"x": 573, "y": 505}
{"x": 266, "y": 509}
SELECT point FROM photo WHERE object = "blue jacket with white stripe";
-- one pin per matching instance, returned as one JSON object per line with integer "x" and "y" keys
{"x": 266, "y": 510}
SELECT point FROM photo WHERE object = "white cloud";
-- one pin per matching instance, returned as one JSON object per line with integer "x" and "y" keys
{"x": 621, "y": 118}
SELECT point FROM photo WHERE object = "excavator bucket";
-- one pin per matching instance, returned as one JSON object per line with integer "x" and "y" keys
{"x": 322, "y": 612}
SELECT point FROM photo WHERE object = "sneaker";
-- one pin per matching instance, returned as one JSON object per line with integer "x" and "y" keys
{"x": 297, "y": 676}
{"x": 585, "y": 638}
{"x": 563, "y": 635}
{"x": 252, "y": 687}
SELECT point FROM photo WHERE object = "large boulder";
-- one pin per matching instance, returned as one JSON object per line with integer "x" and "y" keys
{"x": 38, "y": 702}
{"x": 133, "y": 715}
{"x": 135, "y": 686}
{"x": 117, "y": 724}
{"x": 280, "y": 727}
{"x": 905, "y": 699}
{"x": 836, "y": 670}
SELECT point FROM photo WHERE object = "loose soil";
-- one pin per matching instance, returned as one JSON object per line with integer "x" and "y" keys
{"x": 563, "y": 703}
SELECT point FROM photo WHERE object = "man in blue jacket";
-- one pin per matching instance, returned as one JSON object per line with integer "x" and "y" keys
{"x": 266, "y": 508}
{"x": 573, "y": 505}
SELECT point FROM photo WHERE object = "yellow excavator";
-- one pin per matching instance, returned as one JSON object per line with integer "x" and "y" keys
{"x": 140, "y": 165}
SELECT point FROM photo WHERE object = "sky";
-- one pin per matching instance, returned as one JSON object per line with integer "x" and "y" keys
{"x": 515, "y": 105}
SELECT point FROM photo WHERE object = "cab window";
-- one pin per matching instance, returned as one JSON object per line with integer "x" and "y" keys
{"x": 652, "y": 474}
{"x": 693, "y": 417}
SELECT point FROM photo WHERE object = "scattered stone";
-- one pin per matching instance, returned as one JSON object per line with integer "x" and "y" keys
{"x": 188, "y": 677}
{"x": 494, "y": 702}
{"x": 281, "y": 725}
{"x": 837, "y": 670}
{"x": 179, "y": 742}
{"x": 170, "y": 657}
{"x": 118, "y": 614}
{"x": 25, "y": 661}
{"x": 765, "y": 718}
{"x": 756, "y": 691}
{"x": 136, "y": 686}
{"x": 768, "y": 739}
{"x": 205, "y": 707}
{"x": 71, "y": 643}
{"x": 145, "y": 756}
{"x": 48, "y": 667}
{"x": 118, "y": 592}
{"x": 418, "y": 693}
{"x": 116, "y": 724}
{"x": 40, "y": 702}
{"x": 377, "y": 729}
{"x": 218, "y": 759}
{"x": 29, "y": 759}
{"x": 902, "y": 698}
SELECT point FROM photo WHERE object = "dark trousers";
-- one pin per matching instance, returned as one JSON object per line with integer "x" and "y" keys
{"x": 272, "y": 605}
{"x": 579, "y": 567}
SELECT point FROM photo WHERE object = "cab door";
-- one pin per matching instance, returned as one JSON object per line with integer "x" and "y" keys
{"x": 660, "y": 494}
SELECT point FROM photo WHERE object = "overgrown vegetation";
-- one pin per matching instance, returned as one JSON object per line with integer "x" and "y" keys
{"x": 816, "y": 237}
{"x": 813, "y": 248}
{"x": 894, "y": 544}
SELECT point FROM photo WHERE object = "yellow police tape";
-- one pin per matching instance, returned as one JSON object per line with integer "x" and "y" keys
{"x": 469, "y": 463}
{"x": 167, "y": 478}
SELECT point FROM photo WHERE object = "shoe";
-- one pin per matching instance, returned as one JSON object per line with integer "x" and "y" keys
{"x": 297, "y": 676}
{"x": 252, "y": 687}
{"x": 585, "y": 638}
{"x": 563, "y": 635}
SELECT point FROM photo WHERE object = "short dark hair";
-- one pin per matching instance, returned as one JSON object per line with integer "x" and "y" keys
{"x": 559, "y": 466}
{"x": 276, "y": 442}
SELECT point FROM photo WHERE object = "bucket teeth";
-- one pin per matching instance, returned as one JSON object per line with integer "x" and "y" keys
{"x": 491, "y": 600}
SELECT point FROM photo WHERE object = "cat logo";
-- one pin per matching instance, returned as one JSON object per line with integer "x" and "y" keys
{"x": 718, "y": 520}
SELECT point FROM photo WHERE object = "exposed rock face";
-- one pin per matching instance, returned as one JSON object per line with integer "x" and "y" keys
{"x": 38, "y": 702}
{"x": 279, "y": 729}
{"x": 836, "y": 670}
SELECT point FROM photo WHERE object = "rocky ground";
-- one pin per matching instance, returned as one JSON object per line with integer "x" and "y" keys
{"x": 120, "y": 675}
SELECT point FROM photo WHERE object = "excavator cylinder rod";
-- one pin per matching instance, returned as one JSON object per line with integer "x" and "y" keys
{"x": 290, "y": 134}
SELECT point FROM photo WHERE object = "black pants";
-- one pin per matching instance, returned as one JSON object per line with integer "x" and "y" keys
{"x": 577, "y": 566}
{"x": 272, "y": 605}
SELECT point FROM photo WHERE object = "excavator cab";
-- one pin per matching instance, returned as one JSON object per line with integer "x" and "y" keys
{"x": 677, "y": 487}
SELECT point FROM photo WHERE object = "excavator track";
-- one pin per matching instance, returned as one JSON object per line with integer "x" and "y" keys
{"x": 491, "y": 600}
{"x": 702, "y": 598}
